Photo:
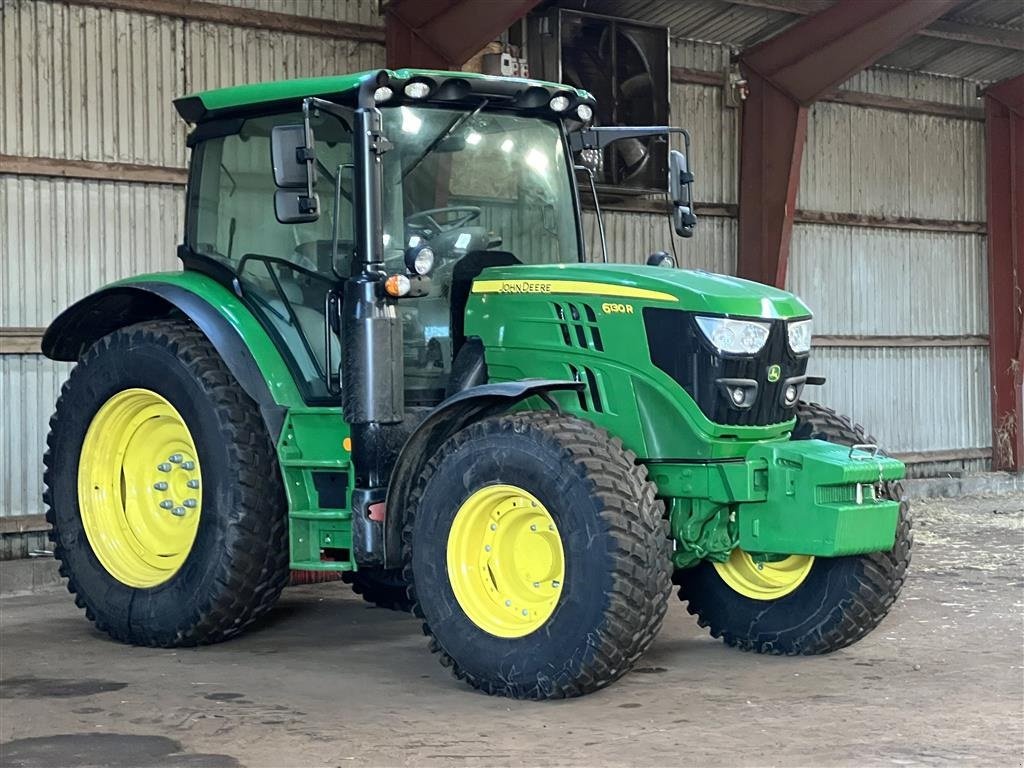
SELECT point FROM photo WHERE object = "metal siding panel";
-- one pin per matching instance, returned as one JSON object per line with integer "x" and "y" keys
{"x": 859, "y": 280}
{"x": 354, "y": 11}
{"x": 68, "y": 237}
{"x": 632, "y": 237}
{"x": 714, "y": 129}
{"x": 910, "y": 399}
{"x": 29, "y": 385}
{"x": 707, "y": 57}
{"x": 90, "y": 84}
{"x": 883, "y": 81}
{"x": 220, "y": 56}
{"x": 881, "y": 162}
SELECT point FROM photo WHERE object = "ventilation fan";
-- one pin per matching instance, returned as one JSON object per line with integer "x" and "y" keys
{"x": 625, "y": 66}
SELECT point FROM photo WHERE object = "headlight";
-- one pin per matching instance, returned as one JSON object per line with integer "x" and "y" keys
{"x": 737, "y": 337}
{"x": 800, "y": 336}
{"x": 419, "y": 259}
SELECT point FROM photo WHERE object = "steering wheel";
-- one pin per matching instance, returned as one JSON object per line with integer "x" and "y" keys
{"x": 429, "y": 221}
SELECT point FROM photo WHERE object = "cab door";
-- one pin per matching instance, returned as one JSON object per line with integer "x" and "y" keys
{"x": 286, "y": 272}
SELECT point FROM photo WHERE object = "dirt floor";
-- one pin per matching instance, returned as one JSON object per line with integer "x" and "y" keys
{"x": 329, "y": 681}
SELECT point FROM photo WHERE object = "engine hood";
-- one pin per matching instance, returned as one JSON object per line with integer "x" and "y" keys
{"x": 687, "y": 289}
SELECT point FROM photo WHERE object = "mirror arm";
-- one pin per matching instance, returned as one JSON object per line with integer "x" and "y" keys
{"x": 600, "y": 137}
{"x": 597, "y": 209}
{"x": 308, "y": 156}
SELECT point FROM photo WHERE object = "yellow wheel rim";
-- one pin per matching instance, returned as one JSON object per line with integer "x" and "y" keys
{"x": 139, "y": 488}
{"x": 764, "y": 580}
{"x": 505, "y": 561}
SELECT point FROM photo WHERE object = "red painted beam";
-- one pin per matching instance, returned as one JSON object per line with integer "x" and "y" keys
{"x": 1004, "y": 151}
{"x": 785, "y": 74}
{"x": 445, "y": 34}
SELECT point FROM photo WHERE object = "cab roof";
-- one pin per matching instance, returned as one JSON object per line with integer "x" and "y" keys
{"x": 446, "y": 87}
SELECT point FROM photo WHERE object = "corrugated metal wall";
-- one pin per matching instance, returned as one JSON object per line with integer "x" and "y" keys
{"x": 80, "y": 83}
{"x": 84, "y": 83}
{"x": 866, "y": 281}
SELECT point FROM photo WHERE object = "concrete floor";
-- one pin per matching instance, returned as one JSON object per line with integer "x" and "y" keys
{"x": 329, "y": 681}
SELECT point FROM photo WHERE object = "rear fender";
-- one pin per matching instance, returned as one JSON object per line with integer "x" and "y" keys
{"x": 232, "y": 329}
{"x": 455, "y": 413}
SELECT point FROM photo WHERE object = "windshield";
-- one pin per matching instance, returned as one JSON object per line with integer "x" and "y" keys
{"x": 476, "y": 181}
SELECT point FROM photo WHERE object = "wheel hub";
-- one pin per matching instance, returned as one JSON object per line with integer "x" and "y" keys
{"x": 505, "y": 561}
{"x": 139, "y": 488}
{"x": 764, "y": 579}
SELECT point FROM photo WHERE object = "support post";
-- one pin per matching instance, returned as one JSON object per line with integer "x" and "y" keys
{"x": 785, "y": 75}
{"x": 1004, "y": 161}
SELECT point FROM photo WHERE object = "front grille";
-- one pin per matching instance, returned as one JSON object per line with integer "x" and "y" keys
{"x": 579, "y": 326}
{"x": 678, "y": 347}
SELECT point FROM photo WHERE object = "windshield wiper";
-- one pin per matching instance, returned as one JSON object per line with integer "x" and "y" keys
{"x": 453, "y": 126}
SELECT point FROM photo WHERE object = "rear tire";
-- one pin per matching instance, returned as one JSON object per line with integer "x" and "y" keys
{"x": 613, "y": 555}
{"x": 237, "y": 563}
{"x": 384, "y": 588}
{"x": 841, "y": 599}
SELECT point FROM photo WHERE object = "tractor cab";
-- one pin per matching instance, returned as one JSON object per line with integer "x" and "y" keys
{"x": 473, "y": 174}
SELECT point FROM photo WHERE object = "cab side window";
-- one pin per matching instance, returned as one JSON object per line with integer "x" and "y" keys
{"x": 285, "y": 270}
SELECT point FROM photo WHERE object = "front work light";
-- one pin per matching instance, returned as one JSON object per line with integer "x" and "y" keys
{"x": 735, "y": 337}
{"x": 559, "y": 103}
{"x": 382, "y": 94}
{"x": 419, "y": 259}
{"x": 800, "y": 336}
{"x": 584, "y": 112}
{"x": 417, "y": 90}
{"x": 661, "y": 259}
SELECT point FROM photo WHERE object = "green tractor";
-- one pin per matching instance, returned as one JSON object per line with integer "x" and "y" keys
{"x": 389, "y": 355}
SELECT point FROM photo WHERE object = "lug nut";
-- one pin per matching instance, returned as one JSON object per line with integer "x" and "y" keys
{"x": 165, "y": 467}
{"x": 536, "y": 584}
{"x": 494, "y": 526}
{"x": 487, "y": 547}
{"x": 533, "y": 527}
{"x": 174, "y": 458}
{"x": 189, "y": 465}
{"x": 178, "y": 511}
{"x": 556, "y": 584}
{"x": 166, "y": 504}
{"x": 192, "y": 484}
{"x": 161, "y": 486}
{"x": 191, "y": 503}
{"x": 525, "y": 612}
{"x": 508, "y": 603}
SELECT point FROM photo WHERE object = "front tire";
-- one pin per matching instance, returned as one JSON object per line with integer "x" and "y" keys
{"x": 163, "y": 491}
{"x": 537, "y": 556}
{"x": 832, "y": 602}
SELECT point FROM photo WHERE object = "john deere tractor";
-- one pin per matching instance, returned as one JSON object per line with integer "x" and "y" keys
{"x": 389, "y": 355}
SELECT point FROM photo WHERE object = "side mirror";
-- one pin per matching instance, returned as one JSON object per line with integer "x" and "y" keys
{"x": 680, "y": 189}
{"x": 292, "y": 158}
{"x": 679, "y": 177}
{"x": 295, "y": 207}
{"x": 288, "y": 155}
{"x": 683, "y": 220}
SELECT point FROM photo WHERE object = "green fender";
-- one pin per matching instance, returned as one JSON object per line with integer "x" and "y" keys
{"x": 223, "y": 317}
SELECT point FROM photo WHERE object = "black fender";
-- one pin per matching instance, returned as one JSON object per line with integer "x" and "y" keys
{"x": 109, "y": 309}
{"x": 455, "y": 413}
